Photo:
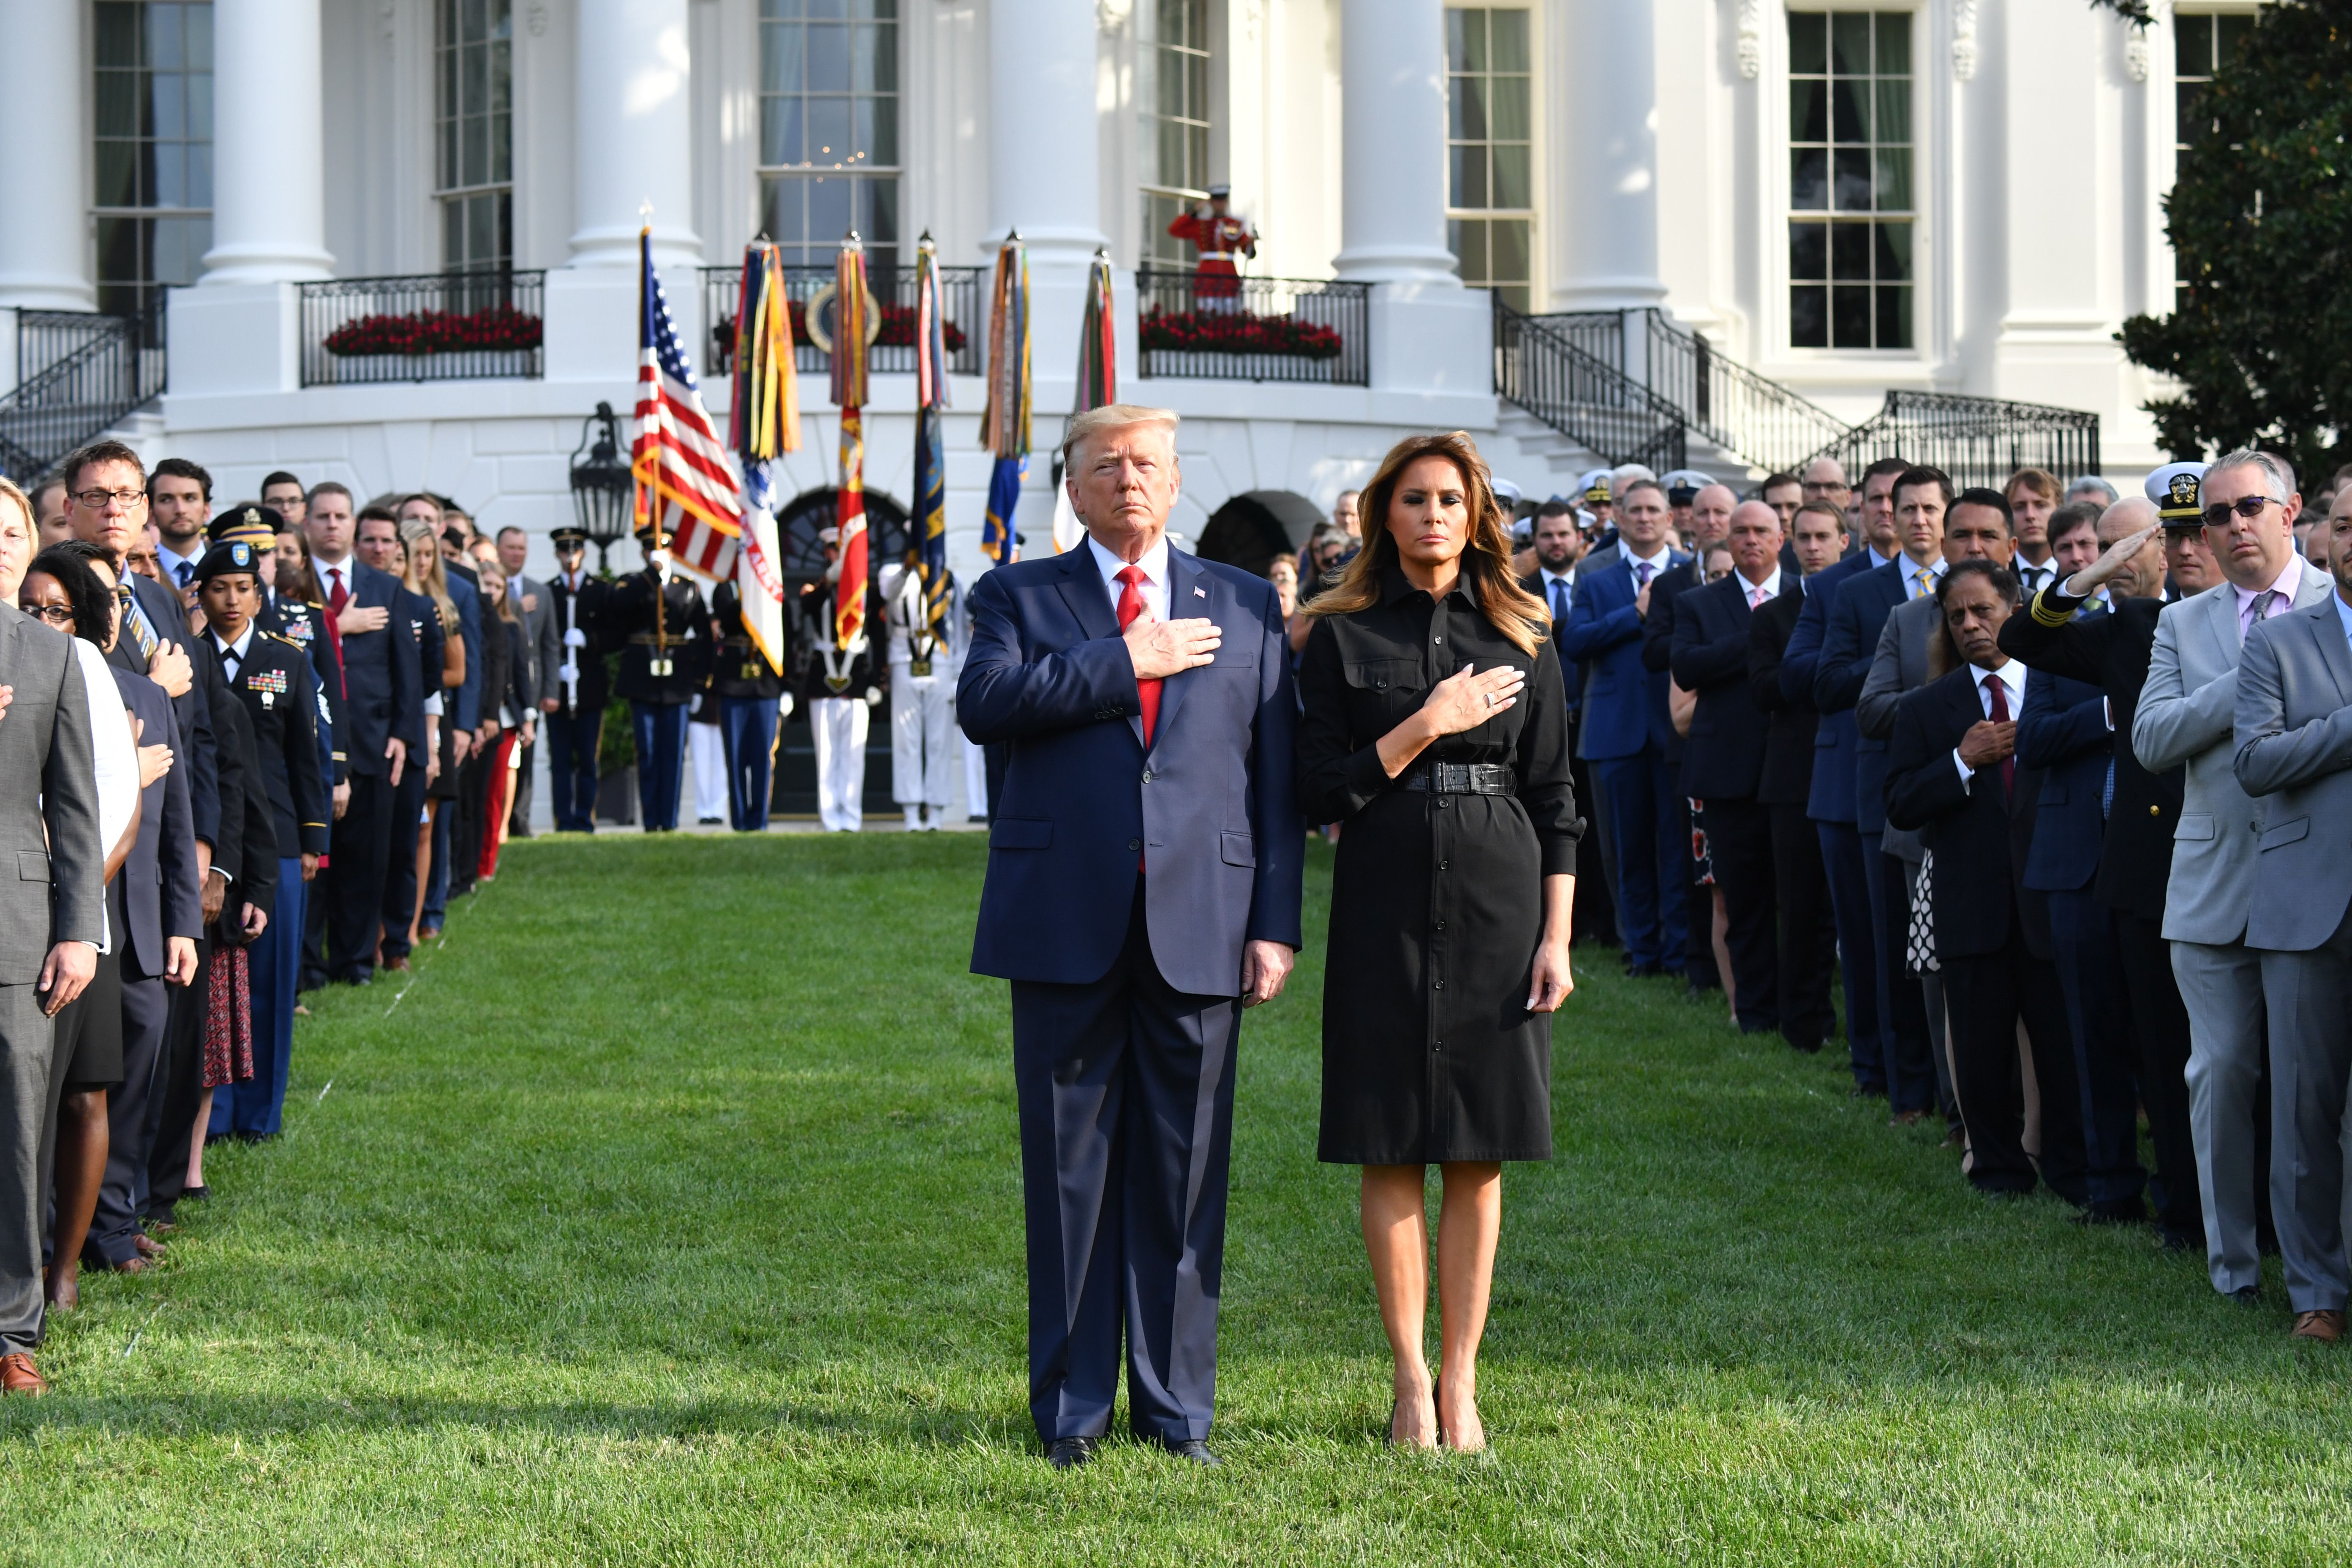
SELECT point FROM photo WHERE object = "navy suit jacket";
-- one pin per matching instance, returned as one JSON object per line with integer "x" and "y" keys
{"x": 382, "y": 695}
{"x": 1834, "y": 738}
{"x": 465, "y": 702}
{"x": 2061, "y": 730}
{"x": 1725, "y": 757}
{"x": 1624, "y": 703}
{"x": 162, "y": 894}
{"x": 1863, "y": 602}
{"x": 1210, "y": 808}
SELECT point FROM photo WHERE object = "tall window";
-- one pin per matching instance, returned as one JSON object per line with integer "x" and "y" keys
{"x": 1173, "y": 101}
{"x": 473, "y": 114}
{"x": 1489, "y": 140}
{"x": 2203, "y": 43}
{"x": 829, "y": 129}
{"x": 154, "y": 146}
{"x": 1851, "y": 265}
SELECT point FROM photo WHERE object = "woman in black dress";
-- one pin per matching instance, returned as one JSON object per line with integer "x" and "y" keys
{"x": 1436, "y": 728}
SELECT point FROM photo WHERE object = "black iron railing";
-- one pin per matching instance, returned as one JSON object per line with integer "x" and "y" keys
{"x": 448, "y": 326}
{"x": 1253, "y": 328}
{"x": 1976, "y": 440}
{"x": 1583, "y": 396}
{"x": 1600, "y": 334}
{"x": 1747, "y": 415}
{"x": 80, "y": 374}
{"x": 893, "y": 352}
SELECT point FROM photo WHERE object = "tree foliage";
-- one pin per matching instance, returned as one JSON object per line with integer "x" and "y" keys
{"x": 2261, "y": 218}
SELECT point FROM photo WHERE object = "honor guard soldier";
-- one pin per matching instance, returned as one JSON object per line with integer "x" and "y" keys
{"x": 658, "y": 620}
{"x": 924, "y": 743}
{"x": 272, "y": 677}
{"x": 838, "y": 685}
{"x": 750, "y": 695}
{"x": 574, "y": 700}
{"x": 1218, "y": 237}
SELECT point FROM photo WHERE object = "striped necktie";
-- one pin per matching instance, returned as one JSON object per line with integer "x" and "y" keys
{"x": 135, "y": 622}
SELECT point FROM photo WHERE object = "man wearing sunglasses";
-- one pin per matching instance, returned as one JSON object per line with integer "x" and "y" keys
{"x": 2187, "y": 715}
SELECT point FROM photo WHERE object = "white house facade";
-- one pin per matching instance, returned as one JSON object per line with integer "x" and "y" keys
{"x": 1720, "y": 230}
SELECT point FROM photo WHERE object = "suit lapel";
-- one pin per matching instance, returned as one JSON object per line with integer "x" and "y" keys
{"x": 2322, "y": 625}
{"x": 1081, "y": 587}
{"x": 1184, "y": 576}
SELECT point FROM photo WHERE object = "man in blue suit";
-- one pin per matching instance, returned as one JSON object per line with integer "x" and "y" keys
{"x": 383, "y": 713}
{"x": 2066, "y": 728}
{"x": 1627, "y": 731}
{"x": 1143, "y": 888}
{"x": 1849, "y": 643}
{"x": 1830, "y": 801}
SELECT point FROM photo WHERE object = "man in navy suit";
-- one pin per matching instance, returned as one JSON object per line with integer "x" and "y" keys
{"x": 1849, "y": 644}
{"x": 1627, "y": 731}
{"x": 1143, "y": 887}
{"x": 1830, "y": 801}
{"x": 383, "y": 713}
{"x": 1724, "y": 763}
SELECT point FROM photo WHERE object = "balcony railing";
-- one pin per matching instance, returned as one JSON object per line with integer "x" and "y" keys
{"x": 1253, "y": 328}
{"x": 452, "y": 326}
{"x": 1746, "y": 414}
{"x": 1976, "y": 440}
{"x": 893, "y": 352}
{"x": 1581, "y": 395}
{"x": 81, "y": 374}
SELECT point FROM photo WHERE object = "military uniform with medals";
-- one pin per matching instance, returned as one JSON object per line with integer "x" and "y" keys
{"x": 662, "y": 669}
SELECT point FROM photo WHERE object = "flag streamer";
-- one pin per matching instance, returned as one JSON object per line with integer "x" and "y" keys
{"x": 930, "y": 532}
{"x": 1096, "y": 384}
{"x": 853, "y": 307}
{"x": 1004, "y": 423}
{"x": 766, "y": 425}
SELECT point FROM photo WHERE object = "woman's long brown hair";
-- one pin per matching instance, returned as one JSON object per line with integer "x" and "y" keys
{"x": 1485, "y": 555}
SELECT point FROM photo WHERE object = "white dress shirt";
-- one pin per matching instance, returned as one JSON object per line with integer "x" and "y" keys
{"x": 2012, "y": 675}
{"x": 1154, "y": 567}
{"x": 170, "y": 561}
{"x": 2288, "y": 585}
{"x": 1919, "y": 582}
{"x": 1567, "y": 587}
{"x": 235, "y": 650}
{"x": 1769, "y": 588}
{"x": 1656, "y": 564}
{"x": 116, "y": 753}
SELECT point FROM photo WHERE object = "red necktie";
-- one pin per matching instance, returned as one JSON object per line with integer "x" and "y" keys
{"x": 341, "y": 597}
{"x": 1997, "y": 691}
{"x": 1130, "y": 605}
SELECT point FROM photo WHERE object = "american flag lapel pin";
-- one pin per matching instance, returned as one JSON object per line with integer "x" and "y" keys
{"x": 1200, "y": 593}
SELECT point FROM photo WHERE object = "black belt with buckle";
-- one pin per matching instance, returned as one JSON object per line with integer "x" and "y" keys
{"x": 1464, "y": 778}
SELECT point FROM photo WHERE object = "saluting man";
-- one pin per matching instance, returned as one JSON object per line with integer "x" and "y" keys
{"x": 924, "y": 745}
{"x": 574, "y": 696}
{"x": 1218, "y": 237}
{"x": 662, "y": 667}
{"x": 837, "y": 684}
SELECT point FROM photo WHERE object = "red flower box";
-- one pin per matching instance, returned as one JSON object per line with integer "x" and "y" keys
{"x": 1233, "y": 333}
{"x": 495, "y": 329}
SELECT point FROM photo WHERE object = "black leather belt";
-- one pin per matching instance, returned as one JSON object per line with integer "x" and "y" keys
{"x": 1464, "y": 778}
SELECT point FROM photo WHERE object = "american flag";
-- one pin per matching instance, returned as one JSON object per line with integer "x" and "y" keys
{"x": 687, "y": 480}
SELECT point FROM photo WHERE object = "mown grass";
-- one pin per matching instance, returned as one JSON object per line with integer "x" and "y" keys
{"x": 671, "y": 1216}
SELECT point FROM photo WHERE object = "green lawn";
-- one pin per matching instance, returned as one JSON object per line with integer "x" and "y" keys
{"x": 671, "y": 1215}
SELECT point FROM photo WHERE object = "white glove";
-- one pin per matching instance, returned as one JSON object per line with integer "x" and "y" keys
{"x": 567, "y": 672}
{"x": 575, "y": 638}
{"x": 873, "y": 697}
{"x": 784, "y": 706}
{"x": 694, "y": 703}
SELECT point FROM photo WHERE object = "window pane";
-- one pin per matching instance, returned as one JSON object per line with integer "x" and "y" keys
{"x": 117, "y": 183}
{"x": 1506, "y": 107}
{"x": 1850, "y": 43}
{"x": 115, "y": 37}
{"x": 1852, "y": 179}
{"x": 1507, "y": 40}
{"x": 780, "y": 130}
{"x": 168, "y": 105}
{"x": 2229, "y": 32}
{"x": 829, "y": 212}
{"x": 200, "y": 106}
{"x": 178, "y": 248}
{"x": 1894, "y": 32}
{"x": 164, "y": 52}
{"x": 1894, "y": 251}
{"x": 780, "y": 59}
{"x": 1850, "y": 318}
{"x": 1809, "y": 179}
{"x": 1809, "y": 317}
{"x": 1468, "y": 184}
{"x": 1894, "y": 111}
{"x": 877, "y": 57}
{"x": 1850, "y": 110}
{"x": 200, "y": 173}
{"x": 1507, "y": 251}
{"x": 1894, "y": 318}
{"x": 1470, "y": 248}
{"x": 828, "y": 59}
{"x": 828, "y": 131}
{"x": 1809, "y": 251}
{"x": 1809, "y": 50}
{"x": 1512, "y": 187}
{"x": 1894, "y": 164}
{"x": 171, "y": 175}
{"x": 1473, "y": 42}
{"x": 1469, "y": 106}
{"x": 1809, "y": 112}
{"x": 882, "y": 145}
{"x": 1850, "y": 251}
{"x": 2192, "y": 38}
{"x": 115, "y": 110}
{"x": 1457, "y": 39}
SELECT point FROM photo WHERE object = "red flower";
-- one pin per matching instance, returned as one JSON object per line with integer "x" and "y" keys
{"x": 1232, "y": 332}
{"x": 495, "y": 329}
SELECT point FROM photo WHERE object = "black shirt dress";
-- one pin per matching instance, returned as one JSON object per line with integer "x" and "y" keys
{"x": 1429, "y": 1051}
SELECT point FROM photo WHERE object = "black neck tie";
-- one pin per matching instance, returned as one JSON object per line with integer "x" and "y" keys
{"x": 230, "y": 661}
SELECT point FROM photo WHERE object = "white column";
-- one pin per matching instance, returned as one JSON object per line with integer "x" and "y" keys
{"x": 632, "y": 138}
{"x": 1393, "y": 142}
{"x": 44, "y": 242}
{"x": 269, "y": 181}
{"x": 1044, "y": 137}
{"x": 1608, "y": 134}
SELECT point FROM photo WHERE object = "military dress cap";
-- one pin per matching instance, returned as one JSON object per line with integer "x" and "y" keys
{"x": 230, "y": 555}
{"x": 1594, "y": 485}
{"x": 1506, "y": 494}
{"x": 828, "y": 535}
{"x": 1220, "y": 193}
{"x": 569, "y": 537}
{"x": 2174, "y": 489}
{"x": 1683, "y": 485}
{"x": 253, "y": 524}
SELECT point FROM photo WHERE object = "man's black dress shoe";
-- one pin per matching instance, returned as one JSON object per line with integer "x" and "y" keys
{"x": 1069, "y": 1453}
{"x": 2247, "y": 1295}
{"x": 1644, "y": 971}
{"x": 1191, "y": 1448}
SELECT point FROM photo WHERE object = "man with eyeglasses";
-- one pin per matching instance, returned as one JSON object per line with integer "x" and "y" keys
{"x": 2187, "y": 718}
{"x": 1825, "y": 479}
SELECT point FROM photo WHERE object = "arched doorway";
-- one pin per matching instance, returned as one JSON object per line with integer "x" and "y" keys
{"x": 1253, "y": 528}
{"x": 887, "y": 529}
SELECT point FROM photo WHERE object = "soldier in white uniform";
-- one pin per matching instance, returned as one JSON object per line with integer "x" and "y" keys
{"x": 838, "y": 685}
{"x": 924, "y": 741}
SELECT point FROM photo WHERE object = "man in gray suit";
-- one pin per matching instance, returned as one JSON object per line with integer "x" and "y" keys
{"x": 2294, "y": 756}
{"x": 2186, "y": 718}
{"x": 49, "y": 927}
{"x": 542, "y": 643}
{"x": 1976, "y": 526}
